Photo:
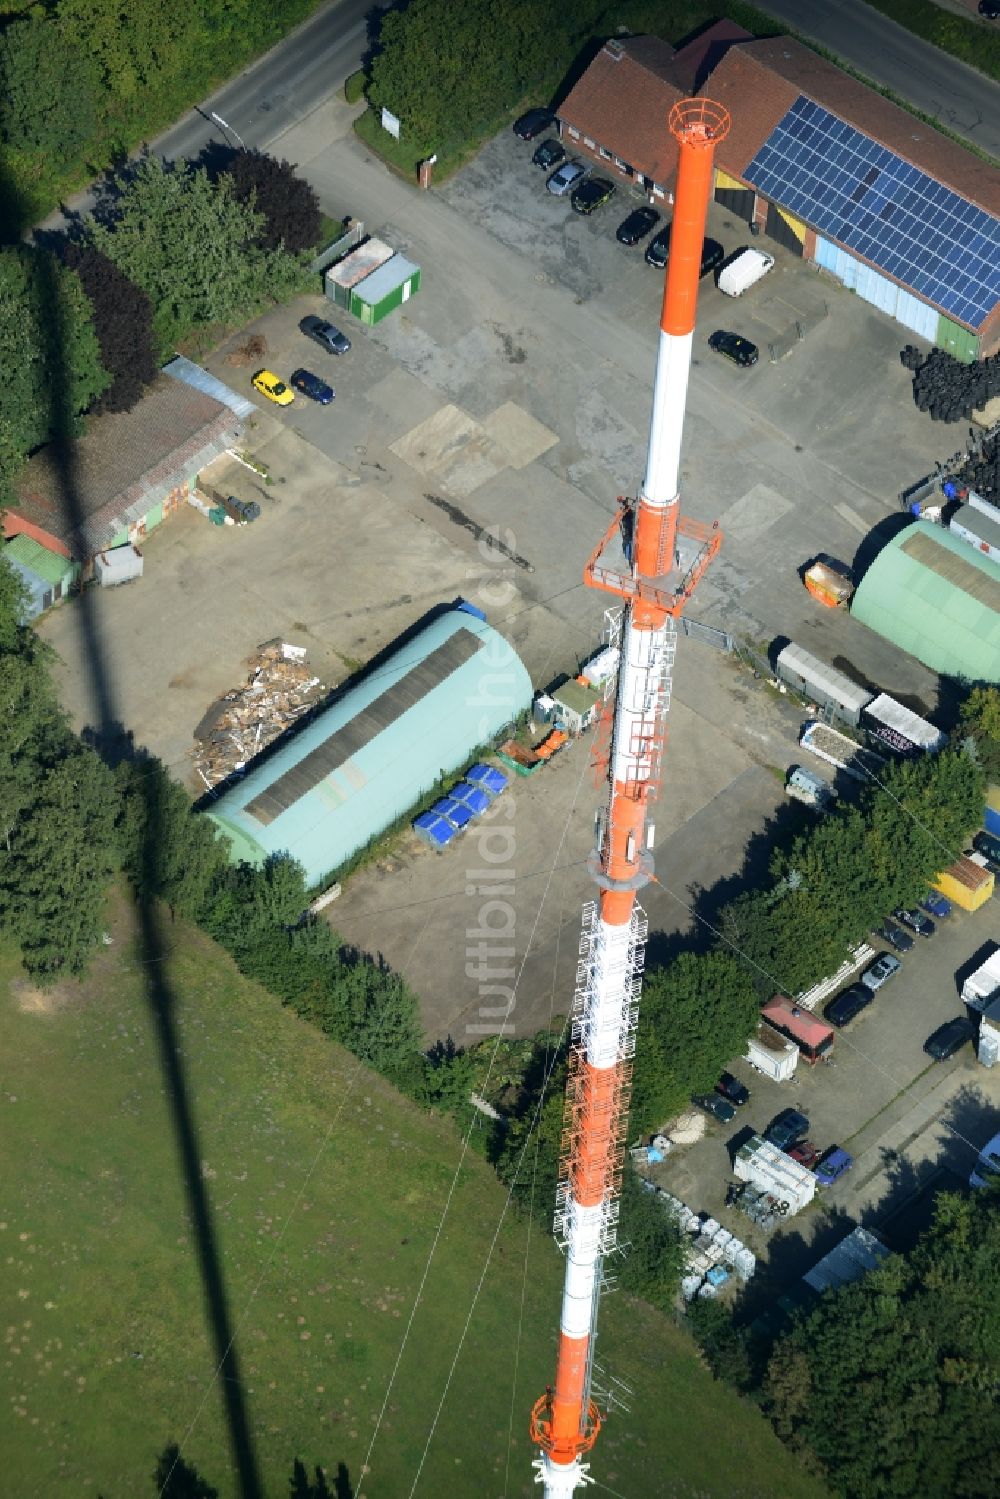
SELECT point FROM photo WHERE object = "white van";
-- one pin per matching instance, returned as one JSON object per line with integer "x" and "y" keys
{"x": 987, "y": 1168}
{"x": 746, "y": 268}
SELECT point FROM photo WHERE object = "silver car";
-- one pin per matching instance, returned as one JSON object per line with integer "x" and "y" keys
{"x": 881, "y": 971}
{"x": 566, "y": 177}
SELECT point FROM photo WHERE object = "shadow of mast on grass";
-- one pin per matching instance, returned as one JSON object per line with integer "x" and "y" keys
{"x": 160, "y": 996}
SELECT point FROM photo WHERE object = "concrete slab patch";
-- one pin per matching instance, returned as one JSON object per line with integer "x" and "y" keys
{"x": 518, "y": 435}
{"x": 452, "y": 449}
{"x": 401, "y": 399}
{"x": 754, "y": 512}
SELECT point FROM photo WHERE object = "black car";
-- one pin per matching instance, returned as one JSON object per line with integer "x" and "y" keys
{"x": 900, "y": 940}
{"x": 730, "y": 1087}
{"x": 917, "y": 921}
{"x": 735, "y": 347}
{"x": 714, "y": 1105}
{"x": 638, "y": 224}
{"x": 990, "y": 9}
{"x": 532, "y": 123}
{"x": 591, "y": 194}
{"x": 712, "y": 256}
{"x": 787, "y": 1128}
{"x": 988, "y": 846}
{"x": 842, "y": 1010}
{"x": 549, "y": 154}
{"x": 325, "y": 334}
{"x": 949, "y": 1038}
{"x": 658, "y": 249}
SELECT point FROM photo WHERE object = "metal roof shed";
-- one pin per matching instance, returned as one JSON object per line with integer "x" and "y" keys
{"x": 931, "y": 594}
{"x": 392, "y": 284}
{"x": 354, "y": 267}
{"x": 369, "y": 757}
{"x": 813, "y": 677}
{"x": 45, "y": 575}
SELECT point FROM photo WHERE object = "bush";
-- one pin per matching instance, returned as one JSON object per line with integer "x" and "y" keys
{"x": 354, "y": 87}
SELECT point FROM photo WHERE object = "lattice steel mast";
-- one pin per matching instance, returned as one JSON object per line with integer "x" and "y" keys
{"x": 665, "y": 557}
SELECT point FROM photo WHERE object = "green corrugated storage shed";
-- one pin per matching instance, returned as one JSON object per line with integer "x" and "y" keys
{"x": 46, "y": 575}
{"x": 368, "y": 758}
{"x": 936, "y": 597}
{"x": 378, "y": 294}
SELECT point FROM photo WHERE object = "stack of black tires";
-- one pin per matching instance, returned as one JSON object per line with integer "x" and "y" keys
{"x": 947, "y": 389}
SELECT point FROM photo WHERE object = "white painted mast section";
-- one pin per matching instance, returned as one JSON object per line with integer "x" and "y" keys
{"x": 666, "y": 424}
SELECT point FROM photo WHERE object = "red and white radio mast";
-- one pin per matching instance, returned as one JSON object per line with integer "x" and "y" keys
{"x": 664, "y": 558}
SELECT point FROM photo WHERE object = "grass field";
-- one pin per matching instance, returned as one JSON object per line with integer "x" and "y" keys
{"x": 326, "y": 1190}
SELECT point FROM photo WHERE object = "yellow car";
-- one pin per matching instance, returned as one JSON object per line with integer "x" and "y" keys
{"x": 267, "y": 382}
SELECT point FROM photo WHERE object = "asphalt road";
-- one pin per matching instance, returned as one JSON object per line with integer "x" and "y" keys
{"x": 961, "y": 99}
{"x": 270, "y": 95}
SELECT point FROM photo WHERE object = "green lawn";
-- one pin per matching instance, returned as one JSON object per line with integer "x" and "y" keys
{"x": 326, "y": 1189}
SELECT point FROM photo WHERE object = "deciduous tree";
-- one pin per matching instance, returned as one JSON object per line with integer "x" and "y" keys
{"x": 47, "y": 89}
{"x": 273, "y": 188}
{"x": 123, "y": 322}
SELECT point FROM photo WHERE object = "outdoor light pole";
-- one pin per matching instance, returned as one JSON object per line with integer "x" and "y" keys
{"x": 226, "y": 126}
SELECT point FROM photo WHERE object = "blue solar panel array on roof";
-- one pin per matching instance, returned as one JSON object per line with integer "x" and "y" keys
{"x": 873, "y": 202}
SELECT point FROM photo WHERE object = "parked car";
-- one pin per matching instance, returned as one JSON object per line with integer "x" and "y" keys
{"x": 268, "y": 383}
{"x": 787, "y": 1128}
{"x": 638, "y": 224}
{"x": 949, "y": 1038}
{"x": 895, "y": 938}
{"x": 658, "y": 249}
{"x": 990, "y": 9}
{"x": 735, "y": 347}
{"x": 533, "y": 122}
{"x": 730, "y": 1087}
{"x": 842, "y": 1010}
{"x": 936, "y": 905}
{"x": 917, "y": 921}
{"x": 313, "y": 387}
{"x": 805, "y": 1152}
{"x": 326, "y": 335}
{"x": 714, "y": 1105}
{"x": 881, "y": 971}
{"x": 988, "y": 845}
{"x": 712, "y": 256}
{"x": 832, "y": 1165}
{"x": 593, "y": 193}
{"x": 566, "y": 176}
{"x": 549, "y": 154}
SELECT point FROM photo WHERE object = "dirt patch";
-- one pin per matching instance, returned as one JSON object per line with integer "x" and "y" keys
{"x": 34, "y": 1001}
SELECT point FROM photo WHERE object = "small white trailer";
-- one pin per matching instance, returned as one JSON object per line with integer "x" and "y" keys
{"x": 771, "y": 1054}
{"x": 118, "y": 565}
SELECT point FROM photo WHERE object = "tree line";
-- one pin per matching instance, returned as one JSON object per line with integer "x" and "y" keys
{"x": 87, "y": 319}
{"x": 82, "y": 82}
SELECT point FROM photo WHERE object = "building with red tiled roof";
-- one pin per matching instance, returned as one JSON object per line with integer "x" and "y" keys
{"x": 819, "y": 162}
{"x": 124, "y": 476}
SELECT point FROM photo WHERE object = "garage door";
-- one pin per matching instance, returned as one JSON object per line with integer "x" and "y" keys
{"x": 732, "y": 194}
{"x": 785, "y": 229}
{"x": 878, "y": 290}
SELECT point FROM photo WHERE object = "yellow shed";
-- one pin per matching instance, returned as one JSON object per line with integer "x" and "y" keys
{"x": 966, "y": 883}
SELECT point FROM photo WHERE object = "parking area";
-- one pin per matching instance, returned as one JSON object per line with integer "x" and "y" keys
{"x": 909, "y": 1122}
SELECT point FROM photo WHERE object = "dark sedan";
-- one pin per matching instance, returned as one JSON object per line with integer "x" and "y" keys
{"x": 842, "y": 1010}
{"x": 312, "y": 386}
{"x": 949, "y": 1038}
{"x": 714, "y": 1105}
{"x": 735, "y": 347}
{"x": 787, "y": 1128}
{"x": 638, "y": 224}
{"x": 896, "y": 938}
{"x": 658, "y": 249}
{"x": 549, "y": 154}
{"x": 326, "y": 335}
{"x": 532, "y": 123}
{"x": 917, "y": 921}
{"x": 593, "y": 193}
{"x": 730, "y": 1087}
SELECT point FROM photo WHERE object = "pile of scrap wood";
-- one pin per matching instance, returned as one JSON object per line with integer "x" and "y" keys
{"x": 279, "y": 689}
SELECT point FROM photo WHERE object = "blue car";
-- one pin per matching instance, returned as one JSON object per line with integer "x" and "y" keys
{"x": 832, "y": 1166}
{"x": 936, "y": 905}
{"x": 312, "y": 386}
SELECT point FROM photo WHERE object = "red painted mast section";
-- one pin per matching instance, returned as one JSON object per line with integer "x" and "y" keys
{"x": 663, "y": 562}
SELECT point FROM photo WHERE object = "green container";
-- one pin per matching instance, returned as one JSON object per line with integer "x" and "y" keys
{"x": 385, "y": 289}
{"x": 217, "y": 515}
